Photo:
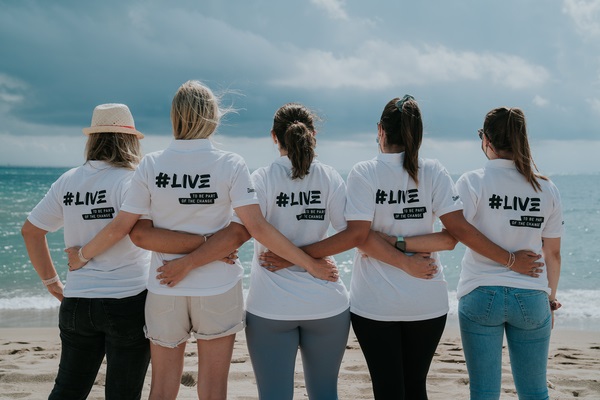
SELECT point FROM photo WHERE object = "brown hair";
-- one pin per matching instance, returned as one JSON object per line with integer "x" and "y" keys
{"x": 403, "y": 126}
{"x": 120, "y": 150}
{"x": 293, "y": 125}
{"x": 506, "y": 130}
{"x": 194, "y": 112}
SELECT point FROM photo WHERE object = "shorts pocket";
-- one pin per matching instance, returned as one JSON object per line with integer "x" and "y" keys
{"x": 224, "y": 303}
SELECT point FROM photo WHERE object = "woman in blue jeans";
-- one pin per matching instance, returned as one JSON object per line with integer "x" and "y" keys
{"x": 516, "y": 208}
{"x": 102, "y": 306}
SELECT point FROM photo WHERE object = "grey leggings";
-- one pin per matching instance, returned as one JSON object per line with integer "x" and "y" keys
{"x": 273, "y": 345}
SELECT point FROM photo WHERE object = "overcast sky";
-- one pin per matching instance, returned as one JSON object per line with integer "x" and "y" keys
{"x": 344, "y": 59}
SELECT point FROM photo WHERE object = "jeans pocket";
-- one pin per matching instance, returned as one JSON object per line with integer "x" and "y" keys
{"x": 477, "y": 305}
{"x": 126, "y": 316}
{"x": 67, "y": 313}
{"x": 534, "y": 307}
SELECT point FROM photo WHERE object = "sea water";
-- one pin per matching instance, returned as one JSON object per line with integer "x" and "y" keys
{"x": 24, "y": 301}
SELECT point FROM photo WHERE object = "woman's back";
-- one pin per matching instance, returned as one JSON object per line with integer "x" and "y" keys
{"x": 506, "y": 208}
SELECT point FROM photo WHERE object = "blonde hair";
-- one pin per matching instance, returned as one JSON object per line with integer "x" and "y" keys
{"x": 194, "y": 112}
{"x": 121, "y": 150}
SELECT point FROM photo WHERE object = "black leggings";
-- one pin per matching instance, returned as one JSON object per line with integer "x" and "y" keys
{"x": 398, "y": 354}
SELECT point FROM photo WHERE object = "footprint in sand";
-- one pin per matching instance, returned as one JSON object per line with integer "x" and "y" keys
{"x": 188, "y": 379}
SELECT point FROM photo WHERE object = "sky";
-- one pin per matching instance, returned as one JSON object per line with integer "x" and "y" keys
{"x": 343, "y": 59}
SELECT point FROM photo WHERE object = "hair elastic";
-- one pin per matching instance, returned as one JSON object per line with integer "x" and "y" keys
{"x": 400, "y": 103}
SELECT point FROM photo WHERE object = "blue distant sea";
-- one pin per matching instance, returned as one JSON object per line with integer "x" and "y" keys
{"x": 25, "y": 302}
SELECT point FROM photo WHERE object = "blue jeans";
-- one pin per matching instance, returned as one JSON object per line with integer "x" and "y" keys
{"x": 93, "y": 328}
{"x": 484, "y": 315}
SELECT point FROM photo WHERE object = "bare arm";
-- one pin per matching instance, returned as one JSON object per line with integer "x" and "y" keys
{"x": 145, "y": 235}
{"x": 217, "y": 247}
{"x": 525, "y": 261}
{"x": 39, "y": 254}
{"x": 116, "y": 230}
{"x": 428, "y": 243}
{"x": 551, "y": 252}
{"x": 419, "y": 265}
{"x": 266, "y": 234}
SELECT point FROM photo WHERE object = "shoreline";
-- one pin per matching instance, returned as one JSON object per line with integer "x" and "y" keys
{"x": 29, "y": 359}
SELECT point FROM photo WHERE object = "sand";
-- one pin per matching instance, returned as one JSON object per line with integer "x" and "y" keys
{"x": 29, "y": 361}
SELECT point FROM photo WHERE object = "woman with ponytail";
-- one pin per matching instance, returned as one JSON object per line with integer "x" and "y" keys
{"x": 398, "y": 313}
{"x": 515, "y": 207}
{"x": 287, "y": 308}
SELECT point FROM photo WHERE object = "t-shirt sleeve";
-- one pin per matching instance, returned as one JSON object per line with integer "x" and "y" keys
{"x": 242, "y": 192}
{"x": 337, "y": 203}
{"x": 137, "y": 199}
{"x": 445, "y": 196}
{"x": 468, "y": 196}
{"x": 554, "y": 228}
{"x": 48, "y": 213}
{"x": 360, "y": 204}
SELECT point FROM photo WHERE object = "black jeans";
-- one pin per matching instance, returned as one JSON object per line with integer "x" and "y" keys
{"x": 398, "y": 354}
{"x": 93, "y": 328}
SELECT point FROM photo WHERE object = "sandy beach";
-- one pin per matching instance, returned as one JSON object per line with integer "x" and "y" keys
{"x": 29, "y": 361}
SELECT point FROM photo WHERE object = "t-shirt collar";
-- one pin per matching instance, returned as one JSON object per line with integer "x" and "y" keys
{"x": 190, "y": 145}
{"x": 500, "y": 163}
{"x": 391, "y": 158}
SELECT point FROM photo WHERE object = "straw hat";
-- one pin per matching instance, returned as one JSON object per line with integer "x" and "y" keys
{"x": 114, "y": 118}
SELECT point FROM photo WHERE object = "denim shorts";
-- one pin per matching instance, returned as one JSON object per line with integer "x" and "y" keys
{"x": 171, "y": 320}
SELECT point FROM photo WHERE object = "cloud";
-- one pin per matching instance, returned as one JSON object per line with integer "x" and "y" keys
{"x": 334, "y": 8}
{"x": 595, "y": 105}
{"x": 540, "y": 101}
{"x": 11, "y": 90}
{"x": 586, "y": 16}
{"x": 376, "y": 65}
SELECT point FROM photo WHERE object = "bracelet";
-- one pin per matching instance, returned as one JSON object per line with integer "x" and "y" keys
{"x": 48, "y": 282}
{"x": 555, "y": 305}
{"x": 511, "y": 260}
{"x": 81, "y": 257}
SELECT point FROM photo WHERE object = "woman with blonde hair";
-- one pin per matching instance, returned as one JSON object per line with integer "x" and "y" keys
{"x": 193, "y": 187}
{"x": 102, "y": 307}
{"x": 515, "y": 207}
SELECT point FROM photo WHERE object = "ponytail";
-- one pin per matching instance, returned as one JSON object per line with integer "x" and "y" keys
{"x": 403, "y": 126}
{"x": 300, "y": 143}
{"x": 507, "y": 131}
{"x": 293, "y": 125}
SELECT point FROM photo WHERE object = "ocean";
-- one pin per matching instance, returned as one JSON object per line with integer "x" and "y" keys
{"x": 24, "y": 301}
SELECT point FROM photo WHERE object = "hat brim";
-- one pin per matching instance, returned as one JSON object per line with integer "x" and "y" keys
{"x": 112, "y": 129}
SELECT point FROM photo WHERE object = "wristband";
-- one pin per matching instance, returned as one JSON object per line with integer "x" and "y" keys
{"x": 400, "y": 244}
{"x": 81, "y": 257}
{"x": 48, "y": 282}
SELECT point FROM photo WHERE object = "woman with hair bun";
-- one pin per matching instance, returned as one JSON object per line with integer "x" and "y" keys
{"x": 515, "y": 207}
{"x": 287, "y": 308}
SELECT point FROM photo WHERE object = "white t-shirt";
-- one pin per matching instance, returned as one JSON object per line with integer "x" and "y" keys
{"x": 302, "y": 210}
{"x": 504, "y": 207}
{"x": 381, "y": 191}
{"x": 84, "y": 200}
{"x": 192, "y": 187}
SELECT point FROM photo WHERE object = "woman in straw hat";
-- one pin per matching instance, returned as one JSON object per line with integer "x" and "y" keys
{"x": 101, "y": 311}
{"x": 193, "y": 187}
